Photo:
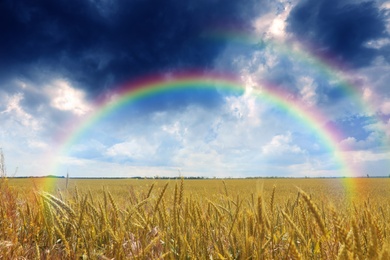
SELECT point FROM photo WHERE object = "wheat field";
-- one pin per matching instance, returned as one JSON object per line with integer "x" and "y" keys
{"x": 195, "y": 219}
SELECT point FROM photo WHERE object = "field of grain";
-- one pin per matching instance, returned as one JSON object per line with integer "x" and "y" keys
{"x": 195, "y": 219}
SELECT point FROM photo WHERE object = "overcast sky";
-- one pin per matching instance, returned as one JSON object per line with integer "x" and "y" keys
{"x": 58, "y": 58}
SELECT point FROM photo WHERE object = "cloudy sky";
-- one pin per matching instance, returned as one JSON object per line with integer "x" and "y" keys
{"x": 330, "y": 59}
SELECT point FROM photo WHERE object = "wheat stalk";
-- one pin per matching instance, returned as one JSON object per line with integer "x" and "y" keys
{"x": 357, "y": 248}
{"x": 297, "y": 230}
{"x": 59, "y": 204}
{"x": 314, "y": 210}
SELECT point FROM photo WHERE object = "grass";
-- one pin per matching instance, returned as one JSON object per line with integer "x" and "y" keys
{"x": 201, "y": 219}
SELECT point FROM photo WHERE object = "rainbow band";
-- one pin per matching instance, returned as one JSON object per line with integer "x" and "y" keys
{"x": 148, "y": 87}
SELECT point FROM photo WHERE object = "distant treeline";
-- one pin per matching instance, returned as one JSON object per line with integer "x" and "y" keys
{"x": 193, "y": 177}
{"x": 46, "y": 176}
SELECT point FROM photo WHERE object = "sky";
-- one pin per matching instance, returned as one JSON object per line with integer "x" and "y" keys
{"x": 313, "y": 76}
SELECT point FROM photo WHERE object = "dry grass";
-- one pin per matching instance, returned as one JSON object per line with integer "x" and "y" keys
{"x": 203, "y": 219}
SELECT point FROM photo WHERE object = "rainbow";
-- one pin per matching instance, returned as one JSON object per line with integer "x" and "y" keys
{"x": 312, "y": 118}
{"x": 153, "y": 86}
{"x": 320, "y": 65}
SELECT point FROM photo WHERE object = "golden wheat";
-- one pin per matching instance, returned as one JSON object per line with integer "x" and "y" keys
{"x": 152, "y": 219}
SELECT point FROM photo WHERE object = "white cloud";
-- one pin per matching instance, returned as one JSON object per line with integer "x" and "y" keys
{"x": 139, "y": 149}
{"x": 26, "y": 160}
{"x": 14, "y": 108}
{"x": 308, "y": 88}
{"x": 281, "y": 144}
{"x": 385, "y": 5}
{"x": 244, "y": 108}
{"x": 263, "y": 23}
{"x": 374, "y": 139}
{"x": 67, "y": 98}
{"x": 86, "y": 167}
{"x": 12, "y": 104}
{"x": 385, "y": 107}
{"x": 367, "y": 94}
{"x": 348, "y": 142}
{"x": 386, "y": 9}
{"x": 198, "y": 158}
{"x": 196, "y": 139}
{"x": 311, "y": 169}
{"x": 175, "y": 130}
{"x": 371, "y": 84}
{"x": 361, "y": 156}
{"x": 378, "y": 44}
{"x": 273, "y": 24}
{"x": 278, "y": 26}
{"x": 36, "y": 144}
{"x": 387, "y": 129}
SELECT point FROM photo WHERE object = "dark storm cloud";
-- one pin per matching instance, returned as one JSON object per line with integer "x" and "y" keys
{"x": 100, "y": 43}
{"x": 339, "y": 29}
